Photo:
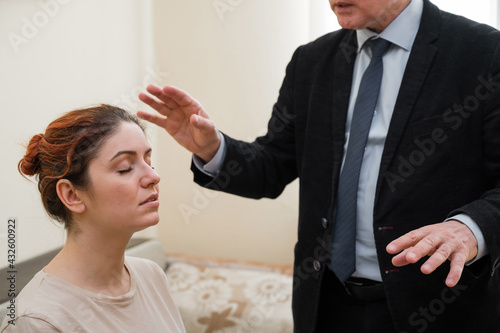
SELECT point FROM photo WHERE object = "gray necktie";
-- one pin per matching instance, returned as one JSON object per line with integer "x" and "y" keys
{"x": 343, "y": 255}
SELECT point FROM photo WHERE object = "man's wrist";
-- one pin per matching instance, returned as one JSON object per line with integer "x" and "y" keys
{"x": 214, "y": 164}
{"x": 211, "y": 151}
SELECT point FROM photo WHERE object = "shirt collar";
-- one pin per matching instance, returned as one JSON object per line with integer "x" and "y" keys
{"x": 402, "y": 31}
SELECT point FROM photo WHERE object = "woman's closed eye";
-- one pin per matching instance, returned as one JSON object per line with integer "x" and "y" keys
{"x": 125, "y": 171}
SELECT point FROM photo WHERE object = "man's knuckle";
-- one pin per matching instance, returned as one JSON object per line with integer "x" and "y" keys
{"x": 429, "y": 241}
{"x": 413, "y": 235}
{"x": 442, "y": 253}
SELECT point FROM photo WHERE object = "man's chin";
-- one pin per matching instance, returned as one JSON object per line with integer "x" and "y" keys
{"x": 348, "y": 22}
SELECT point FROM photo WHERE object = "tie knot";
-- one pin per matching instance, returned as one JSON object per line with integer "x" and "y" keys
{"x": 378, "y": 46}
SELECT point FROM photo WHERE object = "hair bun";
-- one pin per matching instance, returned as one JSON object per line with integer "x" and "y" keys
{"x": 30, "y": 163}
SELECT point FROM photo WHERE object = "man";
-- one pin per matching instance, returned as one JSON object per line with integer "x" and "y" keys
{"x": 426, "y": 188}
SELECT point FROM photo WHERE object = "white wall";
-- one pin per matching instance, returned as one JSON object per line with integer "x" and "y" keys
{"x": 57, "y": 56}
{"x": 232, "y": 59}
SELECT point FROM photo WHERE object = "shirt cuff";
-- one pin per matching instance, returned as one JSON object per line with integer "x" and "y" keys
{"x": 481, "y": 244}
{"x": 213, "y": 167}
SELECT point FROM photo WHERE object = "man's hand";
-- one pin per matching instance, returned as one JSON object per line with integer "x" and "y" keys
{"x": 451, "y": 240}
{"x": 183, "y": 118}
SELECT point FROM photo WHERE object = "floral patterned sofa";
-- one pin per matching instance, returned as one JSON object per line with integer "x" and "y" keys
{"x": 222, "y": 296}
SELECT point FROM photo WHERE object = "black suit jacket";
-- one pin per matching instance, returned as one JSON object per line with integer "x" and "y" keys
{"x": 441, "y": 157}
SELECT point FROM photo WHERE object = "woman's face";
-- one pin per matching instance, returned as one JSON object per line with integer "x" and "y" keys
{"x": 123, "y": 191}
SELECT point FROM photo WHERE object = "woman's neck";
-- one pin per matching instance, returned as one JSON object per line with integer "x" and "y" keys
{"x": 93, "y": 262}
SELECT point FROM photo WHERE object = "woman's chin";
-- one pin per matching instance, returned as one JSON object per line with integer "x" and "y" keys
{"x": 149, "y": 221}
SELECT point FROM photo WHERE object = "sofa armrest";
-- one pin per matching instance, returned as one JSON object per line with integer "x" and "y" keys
{"x": 151, "y": 249}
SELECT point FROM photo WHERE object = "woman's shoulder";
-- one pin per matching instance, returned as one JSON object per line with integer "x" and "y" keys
{"x": 37, "y": 293}
{"x": 36, "y": 304}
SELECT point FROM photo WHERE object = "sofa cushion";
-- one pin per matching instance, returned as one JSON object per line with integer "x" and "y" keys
{"x": 222, "y": 299}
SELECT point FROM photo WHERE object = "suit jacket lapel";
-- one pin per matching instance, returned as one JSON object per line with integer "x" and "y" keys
{"x": 419, "y": 63}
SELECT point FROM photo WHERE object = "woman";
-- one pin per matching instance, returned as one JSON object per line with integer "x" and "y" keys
{"x": 94, "y": 174}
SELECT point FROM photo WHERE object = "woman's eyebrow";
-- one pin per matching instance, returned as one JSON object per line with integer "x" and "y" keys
{"x": 129, "y": 152}
{"x": 122, "y": 152}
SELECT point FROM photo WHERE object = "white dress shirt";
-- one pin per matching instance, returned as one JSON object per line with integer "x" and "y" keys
{"x": 401, "y": 33}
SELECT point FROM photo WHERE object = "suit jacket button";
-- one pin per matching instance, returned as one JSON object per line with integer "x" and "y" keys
{"x": 317, "y": 265}
{"x": 324, "y": 222}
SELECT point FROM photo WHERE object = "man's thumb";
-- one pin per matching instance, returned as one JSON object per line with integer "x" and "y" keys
{"x": 203, "y": 124}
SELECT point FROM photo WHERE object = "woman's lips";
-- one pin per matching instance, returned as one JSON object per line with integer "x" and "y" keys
{"x": 151, "y": 201}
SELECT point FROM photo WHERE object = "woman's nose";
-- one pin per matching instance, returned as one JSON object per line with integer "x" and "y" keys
{"x": 151, "y": 177}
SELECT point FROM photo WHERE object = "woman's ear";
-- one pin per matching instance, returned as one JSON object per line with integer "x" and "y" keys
{"x": 69, "y": 196}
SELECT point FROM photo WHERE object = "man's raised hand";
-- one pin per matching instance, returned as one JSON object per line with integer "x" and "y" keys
{"x": 183, "y": 118}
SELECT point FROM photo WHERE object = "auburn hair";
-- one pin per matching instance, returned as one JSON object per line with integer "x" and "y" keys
{"x": 65, "y": 149}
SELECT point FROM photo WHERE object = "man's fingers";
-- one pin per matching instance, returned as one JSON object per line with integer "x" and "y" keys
{"x": 456, "y": 268}
{"x": 439, "y": 256}
{"x": 169, "y": 102}
{"x": 180, "y": 97}
{"x": 432, "y": 245}
{"x": 408, "y": 240}
{"x": 158, "y": 106}
{"x": 400, "y": 259}
{"x": 152, "y": 118}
